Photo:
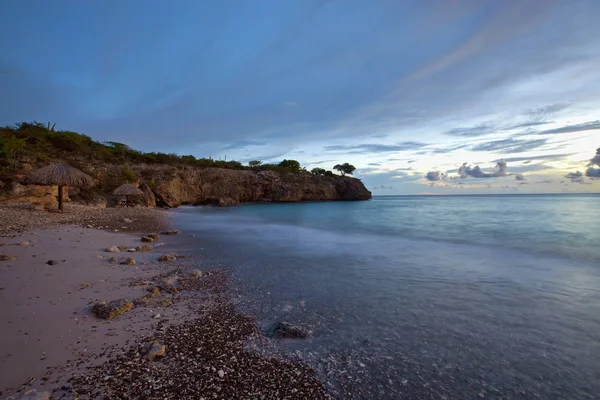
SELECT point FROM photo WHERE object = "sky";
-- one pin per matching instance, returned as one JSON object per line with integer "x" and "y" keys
{"x": 423, "y": 96}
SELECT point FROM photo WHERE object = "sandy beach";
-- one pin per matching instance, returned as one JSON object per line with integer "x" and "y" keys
{"x": 57, "y": 268}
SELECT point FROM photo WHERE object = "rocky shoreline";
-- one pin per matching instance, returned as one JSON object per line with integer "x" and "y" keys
{"x": 106, "y": 327}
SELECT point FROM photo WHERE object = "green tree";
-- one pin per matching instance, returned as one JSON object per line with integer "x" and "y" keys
{"x": 254, "y": 163}
{"x": 13, "y": 146}
{"x": 318, "y": 171}
{"x": 345, "y": 168}
{"x": 292, "y": 165}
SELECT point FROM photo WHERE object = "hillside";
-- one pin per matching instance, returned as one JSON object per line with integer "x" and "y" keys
{"x": 167, "y": 179}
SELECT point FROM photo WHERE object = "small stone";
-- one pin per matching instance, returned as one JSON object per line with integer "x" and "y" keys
{"x": 155, "y": 349}
{"x": 168, "y": 257}
{"x": 195, "y": 273}
{"x": 144, "y": 247}
{"x": 123, "y": 247}
{"x": 128, "y": 261}
{"x": 131, "y": 250}
{"x": 113, "y": 260}
{"x": 23, "y": 243}
{"x": 6, "y": 257}
{"x": 90, "y": 226}
{"x": 171, "y": 232}
{"x": 112, "y": 309}
{"x": 153, "y": 235}
{"x": 113, "y": 249}
{"x": 52, "y": 262}
{"x": 127, "y": 220}
{"x": 157, "y": 316}
{"x": 147, "y": 239}
{"x": 221, "y": 373}
{"x": 84, "y": 285}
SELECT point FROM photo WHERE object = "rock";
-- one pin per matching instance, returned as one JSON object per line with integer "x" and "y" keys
{"x": 84, "y": 285}
{"x": 157, "y": 316}
{"x": 168, "y": 288}
{"x": 131, "y": 250}
{"x": 112, "y": 309}
{"x": 285, "y": 330}
{"x": 154, "y": 349}
{"x": 23, "y": 243}
{"x": 144, "y": 247}
{"x": 221, "y": 373}
{"x": 128, "y": 261}
{"x": 90, "y": 226}
{"x": 148, "y": 200}
{"x": 195, "y": 273}
{"x": 52, "y": 262}
{"x": 127, "y": 220}
{"x": 6, "y": 257}
{"x": 171, "y": 232}
{"x": 168, "y": 257}
{"x": 153, "y": 235}
{"x": 123, "y": 247}
{"x": 147, "y": 239}
{"x": 113, "y": 249}
{"x": 113, "y": 260}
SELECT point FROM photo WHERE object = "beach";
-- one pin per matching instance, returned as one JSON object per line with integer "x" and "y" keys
{"x": 182, "y": 338}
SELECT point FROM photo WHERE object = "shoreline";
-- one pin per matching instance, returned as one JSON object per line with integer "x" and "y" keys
{"x": 54, "y": 347}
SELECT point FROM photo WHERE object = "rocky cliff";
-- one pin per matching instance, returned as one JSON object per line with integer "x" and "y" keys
{"x": 171, "y": 186}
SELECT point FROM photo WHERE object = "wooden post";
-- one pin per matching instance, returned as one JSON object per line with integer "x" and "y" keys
{"x": 60, "y": 197}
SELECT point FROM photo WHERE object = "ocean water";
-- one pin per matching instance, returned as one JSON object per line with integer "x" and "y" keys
{"x": 454, "y": 297}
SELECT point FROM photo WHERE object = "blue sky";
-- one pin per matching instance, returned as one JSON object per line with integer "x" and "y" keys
{"x": 398, "y": 88}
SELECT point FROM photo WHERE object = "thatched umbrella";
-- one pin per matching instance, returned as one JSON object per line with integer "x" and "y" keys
{"x": 59, "y": 175}
{"x": 127, "y": 190}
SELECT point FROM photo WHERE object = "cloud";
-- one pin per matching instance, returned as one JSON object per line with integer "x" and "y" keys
{"x": 473, "y": 131}
{"x": 465, "y": 171}
{"x": 592, "y": 171}
{"x": 376, "y": 148}
{"x": 434, "y": 176}
{"x": 244, "y": 143}
{"x": 528, "y": 125}
{"x": 544, "y": 111}
{"x": 374, "y": 164}
{"x": 527, "y": 160}
{"x": 510, "y": 145}
{"x": 576, "y": 177}
{"x": 520, "y": 177}
{"x": 586, "y": 126}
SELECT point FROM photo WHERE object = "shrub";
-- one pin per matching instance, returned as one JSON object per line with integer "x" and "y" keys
{"x": 129, "y": 175}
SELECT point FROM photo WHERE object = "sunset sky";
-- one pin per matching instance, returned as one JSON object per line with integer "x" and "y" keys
{"x": 407, "y": 91}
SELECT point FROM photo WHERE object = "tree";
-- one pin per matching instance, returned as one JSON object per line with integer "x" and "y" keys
{"x": 345, "y": 168}
{"x": 292, "y": 165}
{"x": 254, "y": 163}
{"x": 318, "y": 171}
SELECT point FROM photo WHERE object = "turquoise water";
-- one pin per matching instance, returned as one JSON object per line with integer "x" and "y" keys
{"x": 414, "y": 296}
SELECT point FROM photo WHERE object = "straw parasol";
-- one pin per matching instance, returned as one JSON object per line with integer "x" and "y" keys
{"x": 127, "y": 190}
{"x": 59, "y": 175}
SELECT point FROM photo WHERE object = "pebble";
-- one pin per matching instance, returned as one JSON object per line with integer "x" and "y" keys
{"x": 52, "y": 262}
{"x": 221, "y": 373}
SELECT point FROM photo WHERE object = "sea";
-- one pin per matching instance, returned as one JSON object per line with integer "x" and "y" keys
{"x": 437, "y": 297}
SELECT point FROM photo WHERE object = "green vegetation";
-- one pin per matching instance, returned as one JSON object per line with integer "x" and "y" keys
{"x": 345, "y": 168}
{"x": 39, "y": 143}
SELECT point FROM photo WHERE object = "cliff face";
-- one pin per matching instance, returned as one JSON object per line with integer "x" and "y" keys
{"x": 226, "y": 187}
{"x": 165, "y": 185}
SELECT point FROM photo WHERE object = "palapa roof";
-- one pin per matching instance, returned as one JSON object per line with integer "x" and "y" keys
{"x": 59, "y": 174}
{"x": 127, "y": 190}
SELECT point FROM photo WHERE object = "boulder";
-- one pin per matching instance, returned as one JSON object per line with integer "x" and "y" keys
{"x": 168, "y": 257}
{"x": 154, "y": 349}
{"x": 285, "y": 330}
{"x": 113, "y": 249}
{"x": 7, "y": 257}
{"x": 113, "y": 260}
{"x": 148, "y": 199}
{"x": 128, "y": 261}
{"x": 123, "y": 247}
{"x": 153, "y": 235}
{"x": 144, "y": 247}
{"x": 147, "y": 239}
{"x": 171, "y": 232}
{"x": 112, "y": 309}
